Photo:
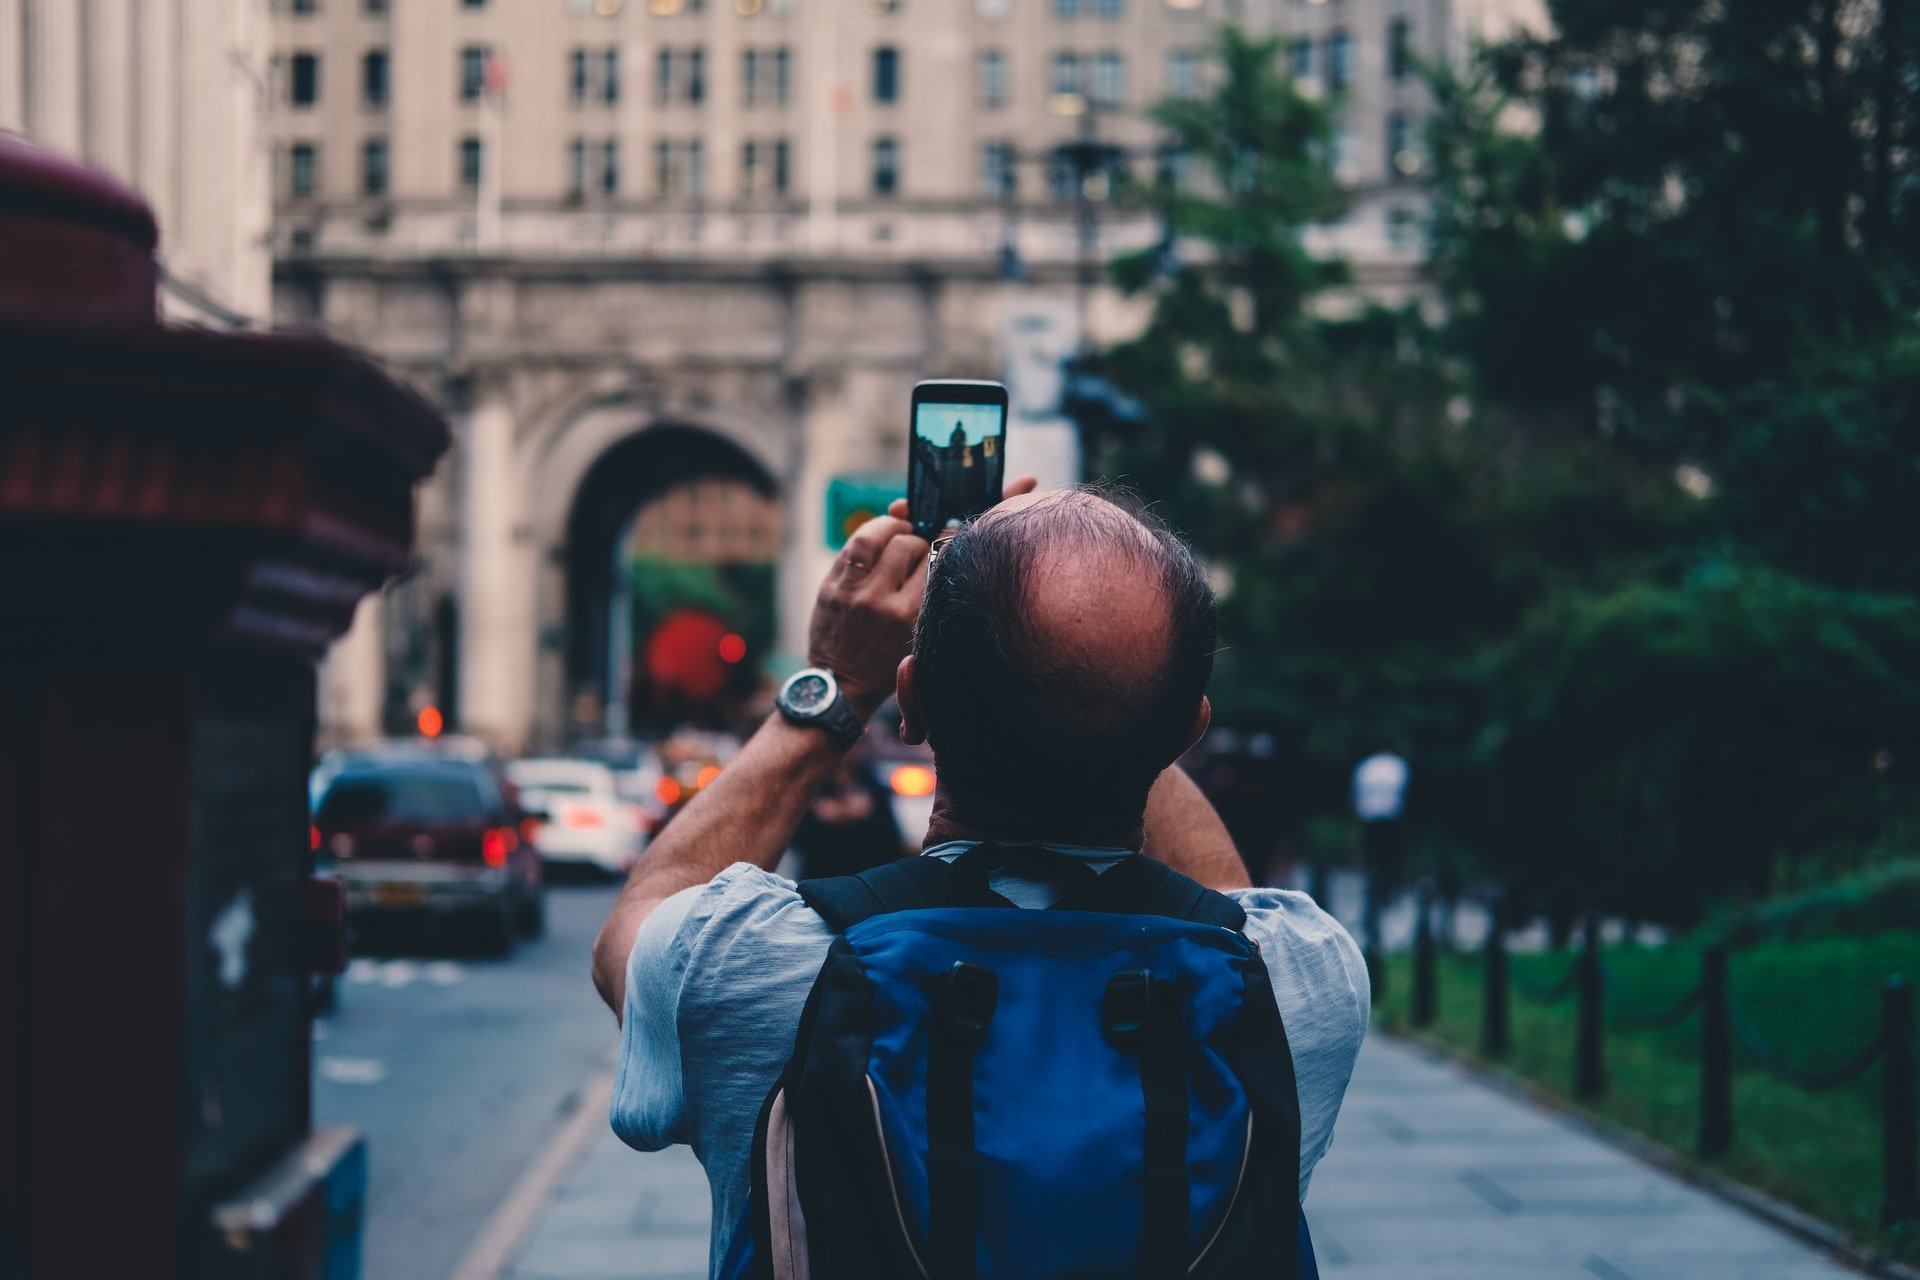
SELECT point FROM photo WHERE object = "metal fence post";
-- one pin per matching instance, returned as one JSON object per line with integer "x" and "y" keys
{"x": 1589, "y": 1051}
{"x": 1425, "y": 995}
{"x": 1496, "y": 1027}
{"x": 1716, "y": 1054}
{"x": 1899, "y": 1117}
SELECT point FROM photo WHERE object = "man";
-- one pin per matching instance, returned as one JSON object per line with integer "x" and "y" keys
{"x": 1059, "y": 668}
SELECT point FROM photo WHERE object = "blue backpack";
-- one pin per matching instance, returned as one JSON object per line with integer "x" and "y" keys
{"x": 1100, "y": 1091}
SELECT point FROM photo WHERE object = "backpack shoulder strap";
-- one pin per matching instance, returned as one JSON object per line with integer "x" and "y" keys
{"x": 1140, "y": 885}
{"x": 910, "y": 884}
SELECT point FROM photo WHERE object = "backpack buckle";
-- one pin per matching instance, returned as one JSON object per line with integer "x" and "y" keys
{"x": 967, "y": 997}
{"x": 1127, "y": 1004}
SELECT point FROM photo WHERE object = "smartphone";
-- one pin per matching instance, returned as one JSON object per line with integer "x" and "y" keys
{"x": 957, "y": 454}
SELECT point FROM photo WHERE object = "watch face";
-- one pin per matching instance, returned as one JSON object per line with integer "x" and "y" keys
{"x": 809, "y": 695}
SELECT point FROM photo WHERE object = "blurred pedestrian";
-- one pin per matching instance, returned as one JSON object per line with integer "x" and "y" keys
{"x": 1379, "y": 797}
{"x": 851, "y": 825}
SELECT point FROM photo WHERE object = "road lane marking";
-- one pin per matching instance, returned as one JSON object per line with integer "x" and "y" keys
{"x": 513, "y": 1221}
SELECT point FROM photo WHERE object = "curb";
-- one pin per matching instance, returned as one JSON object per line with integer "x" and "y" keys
{"x": 518, "y": 1213}
{"x": 1758, "y": 1204}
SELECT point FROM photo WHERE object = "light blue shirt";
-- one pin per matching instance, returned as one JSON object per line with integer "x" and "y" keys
{"x": 719, "y": 974}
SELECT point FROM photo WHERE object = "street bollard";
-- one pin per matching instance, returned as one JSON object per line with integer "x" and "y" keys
{"x": 1496, "y": 1028}
{"x": 1425, "y": 996}
{"x": 1899, "y": 1116}
{"x": 1715, "y": 1137}
{"x": 1589, "y": 1049}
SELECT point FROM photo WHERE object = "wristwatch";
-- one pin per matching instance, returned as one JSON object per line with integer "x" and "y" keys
{"x": 812, "y": 697}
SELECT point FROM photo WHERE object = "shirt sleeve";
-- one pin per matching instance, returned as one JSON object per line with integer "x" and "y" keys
{"x": 1321, "y": 987}
{"x": 649, "y": 1100}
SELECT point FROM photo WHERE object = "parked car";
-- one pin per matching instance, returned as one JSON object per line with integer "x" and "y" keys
{"x": 588, "y": 823}
{"x": 421, "y": 837}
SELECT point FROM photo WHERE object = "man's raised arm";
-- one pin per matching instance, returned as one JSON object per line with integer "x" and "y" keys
{"x": 1185, "y": 832}
{"x": 862, "y": 625}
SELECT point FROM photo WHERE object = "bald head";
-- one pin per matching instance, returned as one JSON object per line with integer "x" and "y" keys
{"x": 1060, "y": 662}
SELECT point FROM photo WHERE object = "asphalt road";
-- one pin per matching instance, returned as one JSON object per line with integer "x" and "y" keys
{"x": 459, "y": 1069}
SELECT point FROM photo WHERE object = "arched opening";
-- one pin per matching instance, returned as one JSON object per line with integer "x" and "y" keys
{"x": 668, "y": 555}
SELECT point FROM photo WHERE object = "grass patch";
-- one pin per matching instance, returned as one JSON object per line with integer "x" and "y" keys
{"x": 1817, "y": 1003}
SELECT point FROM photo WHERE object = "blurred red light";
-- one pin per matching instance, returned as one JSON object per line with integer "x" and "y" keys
{"x": 496, "y": 844}
{"x": 706, "y": 776}
{"x": 313, "y": 838}
{"x": 430, "y": 722}
{"x": 732, "y": 648}
{"x": 667, "y": 791}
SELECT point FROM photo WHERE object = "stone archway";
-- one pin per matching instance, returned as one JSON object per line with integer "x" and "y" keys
{"x": 640, "y": 468}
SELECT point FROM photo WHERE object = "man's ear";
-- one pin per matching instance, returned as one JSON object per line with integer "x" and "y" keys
{"x": 1201, "y": 719}
{"x": 913, "y": 724}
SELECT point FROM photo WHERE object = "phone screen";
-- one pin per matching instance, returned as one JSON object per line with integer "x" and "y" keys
{"x": 958, "y": 453}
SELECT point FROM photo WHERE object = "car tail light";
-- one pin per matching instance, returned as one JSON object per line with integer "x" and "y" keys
{"x": 313, "y": 838}
{"x": 496, "y": 844}
{"x": 582, "y": 818}
{"x": 913, "y": 780}
{"x": 667, "y": 791}
{"x": 530, "y": 829}
{"x": 705, "y": 777}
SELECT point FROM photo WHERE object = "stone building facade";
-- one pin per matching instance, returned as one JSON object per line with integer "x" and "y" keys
{"x": 632, "y": 243}
{"x": 171, "y": 97}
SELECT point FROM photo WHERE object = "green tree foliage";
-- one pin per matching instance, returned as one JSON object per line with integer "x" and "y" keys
{"x": 1621, "y": 549}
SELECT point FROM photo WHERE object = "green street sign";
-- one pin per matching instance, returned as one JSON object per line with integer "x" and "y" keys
{"x": 854, "y": 499}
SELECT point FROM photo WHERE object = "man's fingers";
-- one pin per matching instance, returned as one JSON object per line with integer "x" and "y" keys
{"x": 1019, "y": 485}
{"x": 898, "y": 508}
{"x": 863, "y": 549}
{"x": 897, "y": 562}
{"x": 914, "y": 589}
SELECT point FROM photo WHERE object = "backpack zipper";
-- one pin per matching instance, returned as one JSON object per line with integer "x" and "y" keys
{"x": 893, "y": 1187}
{"x": 1233, "y": 1201}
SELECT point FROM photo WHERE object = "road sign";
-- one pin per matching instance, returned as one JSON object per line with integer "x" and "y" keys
{"x": 856, "y": 498}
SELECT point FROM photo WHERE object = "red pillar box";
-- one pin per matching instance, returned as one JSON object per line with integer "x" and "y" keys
{"x": 187, "y": 520}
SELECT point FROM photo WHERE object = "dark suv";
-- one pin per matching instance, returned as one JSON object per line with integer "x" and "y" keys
{"x": 431, "y": 839}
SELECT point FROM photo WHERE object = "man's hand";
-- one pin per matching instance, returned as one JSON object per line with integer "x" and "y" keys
{"x": 863, "y": 617}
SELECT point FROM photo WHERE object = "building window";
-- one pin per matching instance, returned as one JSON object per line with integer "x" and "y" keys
{"x": 472, "y": 160}
{"x": 750, "y": 78}
{"x": 782, "y": 75}
{"x": 1066, "y": 10}
{"x": 577, "y": 77}
{"x": 696, "y": 76}
{"x": 886, "y": 167}
{"x": 1064, "y": 76}
{"x": 886, "y": 74}
{"x": 1300, "y": 58}
{"x": 1110, "y": 80}
{"x": 577, "y": 169}
{"x": 373, "y": 167}
{"x": 473, "y": 72}
{"x": 373, "y": 78}
{"x": 1399, "y": 50}
{"x": 303, "y": 8}
{"x": 610, "y": 167}
{"x": 1339, "y": 61}
{"x": 1403, "y": 228}
{"x": 303, "y": 87}
{"x": 991, "y": 78}
{"x": 610, "y": 77}
{"x": 782, "y": 166}
{"x": 1063, "y": 179}
{"x": 473, "y": 4}
{"x": 1111, "y": 10}
{"x": 1342, "y": 154}
{"x": 303, "y": 170}
{"x": 696, "y": 168}
{"x": 1183, "y": 74}
{"x": 663, "y": 176}
{"x": 663, "y": 77}
{"x": 993, "y": 10}
{"x": 1403, "y": 153}
{"x": 375, "y": 6}
{"x": 750, "y": 169}
{"x": 997, "y": 173}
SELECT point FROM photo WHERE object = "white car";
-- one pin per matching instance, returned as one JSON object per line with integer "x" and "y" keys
{"x": 588, "y": 823}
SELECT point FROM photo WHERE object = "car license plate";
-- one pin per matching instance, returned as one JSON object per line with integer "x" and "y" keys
{"x": 399, "y": 895}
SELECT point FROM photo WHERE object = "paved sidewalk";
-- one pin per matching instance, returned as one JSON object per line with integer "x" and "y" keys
{"x": 1432, "y": 1176}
